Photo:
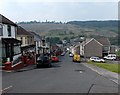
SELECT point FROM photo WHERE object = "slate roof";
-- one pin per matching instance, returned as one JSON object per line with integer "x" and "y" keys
{"x": 22, "y": 31}
{"x": 36, "y": 36}
{"x": 104, "y": 41}
{"x": 88, "y": 40}
{"x": 5, "y": 20}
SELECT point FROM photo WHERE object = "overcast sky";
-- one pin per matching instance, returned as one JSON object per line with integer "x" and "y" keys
{"x": 28, "y": 10}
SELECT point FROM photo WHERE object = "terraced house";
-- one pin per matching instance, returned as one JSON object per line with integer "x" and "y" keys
{"x": 26, "y": 38}
{"x": 94, "y": 47}
{"x": 107, "y": 47}
{"x": 37, "y": 42}
{"x": 10, "y": 46}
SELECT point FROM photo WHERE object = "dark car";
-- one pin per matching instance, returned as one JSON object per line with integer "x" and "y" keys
{"x": 63, "y": 53}
{"x": 43, "y": 61}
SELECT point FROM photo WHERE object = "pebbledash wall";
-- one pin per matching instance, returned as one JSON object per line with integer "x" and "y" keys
{"x": 8, "y": 32}
{"x": 9, "y": 43}
{"x": 5, "y": 33}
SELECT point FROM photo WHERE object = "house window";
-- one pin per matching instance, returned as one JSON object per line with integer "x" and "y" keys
{"x": 17, "y": 49}
{"x": 2, "y": 54}
{"x": 0, "y": 50}
{"x": 31, "y": 40}
{"x": 105, "y": 49}
{"x": 21, "y": 40}
{"x": 1, "y": 30}
{"x": 9, "y": 30}
{"x": 25, "y": 40}
{"x": 9, "y": 50}
{"x": 28, "y": 40}
{"x": 3, "y": 50}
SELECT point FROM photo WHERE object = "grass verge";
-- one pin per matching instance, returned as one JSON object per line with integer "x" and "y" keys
{"x": 111, "y": 67}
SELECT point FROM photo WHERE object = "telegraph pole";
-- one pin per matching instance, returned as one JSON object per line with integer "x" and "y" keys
{"x": 84, "y": 48}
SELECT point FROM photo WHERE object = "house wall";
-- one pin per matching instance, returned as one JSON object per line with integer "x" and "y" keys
{"x": 112, "y": 50}
{"x": 36, "y": 46}
{"x": 26, "y": 40}
{"x": 81, "y": 50}
{"x": 22, "y": 40}
{"x": 72, "y": 49}
{"x": 15, "y": 49}
{"x": 93, "y": 48}
{"x": 5, "y": 31}
{"x": 106, "y": 49}
{"x": 77, "y": 49}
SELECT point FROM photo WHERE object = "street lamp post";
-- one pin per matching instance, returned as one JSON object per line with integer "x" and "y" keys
{"x": 83, "y": 39}
{"x": 85, "y": 50}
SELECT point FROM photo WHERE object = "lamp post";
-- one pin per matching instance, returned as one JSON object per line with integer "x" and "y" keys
{"x": 84, "y": 39}
{"x": 85, "y": 50}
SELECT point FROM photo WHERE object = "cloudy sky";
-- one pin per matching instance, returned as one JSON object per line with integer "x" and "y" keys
{"x": 60, "y": 10}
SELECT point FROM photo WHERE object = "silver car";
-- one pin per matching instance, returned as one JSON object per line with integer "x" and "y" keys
{"x": 97, "y": 59}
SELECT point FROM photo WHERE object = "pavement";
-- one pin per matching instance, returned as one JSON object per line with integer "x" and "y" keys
{"x": 108, "y": 74}
{"x": 26, "y": 68}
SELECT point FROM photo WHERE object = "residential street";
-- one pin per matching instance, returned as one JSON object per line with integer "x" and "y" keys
{"x": 64, "y": 77}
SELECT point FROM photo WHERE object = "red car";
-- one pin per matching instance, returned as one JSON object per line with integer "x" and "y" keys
{"x": 54, "y": 59}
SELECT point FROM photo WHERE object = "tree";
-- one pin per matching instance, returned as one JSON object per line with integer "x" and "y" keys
{"x": 53, "y": 40}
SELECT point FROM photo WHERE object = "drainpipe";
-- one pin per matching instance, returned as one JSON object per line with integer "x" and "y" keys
{"x": 109, "y": 50}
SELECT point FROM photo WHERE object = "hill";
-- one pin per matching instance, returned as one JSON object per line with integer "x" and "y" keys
{"x": 74, "y": 28}
{"x": 100, "y": 24}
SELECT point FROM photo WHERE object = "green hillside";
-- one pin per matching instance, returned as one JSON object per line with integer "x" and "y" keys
{"x": 75, "y": 29}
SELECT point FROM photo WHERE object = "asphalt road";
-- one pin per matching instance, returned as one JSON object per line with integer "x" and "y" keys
{"x": 63, "y": 77}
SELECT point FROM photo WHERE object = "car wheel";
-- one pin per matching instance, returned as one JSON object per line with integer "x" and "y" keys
{"x": 49, "y": 65}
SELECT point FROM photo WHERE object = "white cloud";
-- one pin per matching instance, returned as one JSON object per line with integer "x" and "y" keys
{"x": 24, "y": 10}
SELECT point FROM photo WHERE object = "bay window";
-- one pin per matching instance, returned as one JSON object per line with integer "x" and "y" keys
{"x": 1, "y": 30}
{"x": 9, "y": 30}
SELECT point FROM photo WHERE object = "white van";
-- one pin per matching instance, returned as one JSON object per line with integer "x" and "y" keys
{"x": 110, "y": 57}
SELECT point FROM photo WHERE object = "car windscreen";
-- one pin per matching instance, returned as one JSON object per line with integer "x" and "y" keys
{"x": 43, "y": 58}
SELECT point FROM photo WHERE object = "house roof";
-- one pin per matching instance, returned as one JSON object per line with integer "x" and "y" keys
{"x": 36, "y": 36}
{"x": 86, "y": 41}
{"x": 104, "y": 41}
{"x": 22, "y": 31}
{"x": 89, "y": 40}
{"x": 5, "y": 20}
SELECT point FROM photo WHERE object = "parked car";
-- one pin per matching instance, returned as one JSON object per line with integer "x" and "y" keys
{"x": 71, "y": 55}
{"x": 110, "y": 57}
{"x": 54, "y": 59}
{"x": 97, "y": 59}
{"x": 43, "y": 61}
{"x": 62, "y": 54}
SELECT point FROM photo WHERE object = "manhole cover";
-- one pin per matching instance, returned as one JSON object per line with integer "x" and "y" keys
{"x": 80, "y": 71}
